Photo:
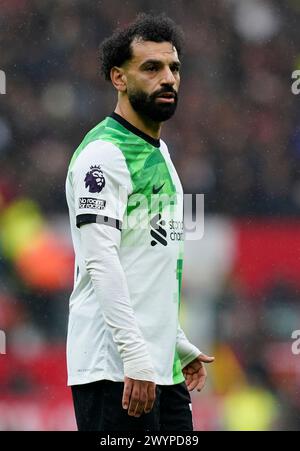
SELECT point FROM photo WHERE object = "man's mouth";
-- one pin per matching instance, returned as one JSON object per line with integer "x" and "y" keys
{"x": 167, "y": 97}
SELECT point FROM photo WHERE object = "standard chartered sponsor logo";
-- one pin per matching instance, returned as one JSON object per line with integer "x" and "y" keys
{"x": 161, "y": 230}
{"x": 176, "y": 230}
{"x": 141, "y": 210}
{"x": 158, "y": 232}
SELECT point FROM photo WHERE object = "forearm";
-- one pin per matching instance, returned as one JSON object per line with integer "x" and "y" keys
{"x": 187, "y": 352}
{"x": 100, "y": 245}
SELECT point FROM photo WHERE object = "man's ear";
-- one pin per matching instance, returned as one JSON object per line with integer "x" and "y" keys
{"x": 118, "y": 78}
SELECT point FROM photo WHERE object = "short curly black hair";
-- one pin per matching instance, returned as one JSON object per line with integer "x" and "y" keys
{"x": 116, "y": 49}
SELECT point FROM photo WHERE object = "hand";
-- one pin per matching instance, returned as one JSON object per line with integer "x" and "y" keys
{"x": 195, "y": 372}
{"x": 138, "y": 396}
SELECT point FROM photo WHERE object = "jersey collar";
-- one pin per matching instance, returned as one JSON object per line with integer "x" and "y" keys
{"x": 154, "y": 142}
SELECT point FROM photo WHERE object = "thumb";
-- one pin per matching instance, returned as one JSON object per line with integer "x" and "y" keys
{"x": 205, "y": 358}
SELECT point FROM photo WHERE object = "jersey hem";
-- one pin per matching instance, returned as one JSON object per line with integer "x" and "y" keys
{"x": 75, "y": 380}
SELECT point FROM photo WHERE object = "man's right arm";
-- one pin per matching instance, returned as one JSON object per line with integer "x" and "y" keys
{"x": 100, "y": 246}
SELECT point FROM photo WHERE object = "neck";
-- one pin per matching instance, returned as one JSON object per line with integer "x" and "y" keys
{"x": 149, "y": 127}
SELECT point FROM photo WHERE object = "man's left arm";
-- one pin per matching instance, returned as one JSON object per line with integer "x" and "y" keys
{"x": 192, "y": 360}
{"x": 186, "y": 351}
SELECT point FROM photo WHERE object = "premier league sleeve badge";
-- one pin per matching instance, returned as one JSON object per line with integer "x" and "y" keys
{"x": 94, "y": 179}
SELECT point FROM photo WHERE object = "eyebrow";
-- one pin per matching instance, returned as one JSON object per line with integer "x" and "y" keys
{"x": 160, "y": 63}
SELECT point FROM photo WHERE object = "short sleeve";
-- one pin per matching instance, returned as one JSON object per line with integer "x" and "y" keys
{"x": 101, "y": 184}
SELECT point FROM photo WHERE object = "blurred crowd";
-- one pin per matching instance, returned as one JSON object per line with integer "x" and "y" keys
{"x": 237, "y": 128}
{"x": 235, "y": 138}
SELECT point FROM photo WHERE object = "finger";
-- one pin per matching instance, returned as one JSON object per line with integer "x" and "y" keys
{"x": 205, "y": 358}
{"x": 192, "y": 367}
{"x": 151, "y": 398}
{"x": 202, "y": 374}
{"x": 142, "y": 400}
{"x": 138, "y": 411}
{"x": 193, "y": 382}
{"x": 201, "y": 383}
{"x": 189, "y": 386}
{"x": 128, "y": 384}
{"x": 134, "y": 398}
{"x": 188, "y": 379}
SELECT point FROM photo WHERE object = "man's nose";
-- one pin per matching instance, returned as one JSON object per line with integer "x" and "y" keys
{"x": 168, "y": 77}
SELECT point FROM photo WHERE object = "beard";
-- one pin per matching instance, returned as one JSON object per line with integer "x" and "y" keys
{"x": 147, "y": 106}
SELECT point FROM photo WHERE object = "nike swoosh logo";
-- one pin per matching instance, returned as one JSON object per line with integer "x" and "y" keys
{"x": 156, "y": 190}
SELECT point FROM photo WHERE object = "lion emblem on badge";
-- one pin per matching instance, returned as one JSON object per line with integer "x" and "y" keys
{"x": 94, "y": 179}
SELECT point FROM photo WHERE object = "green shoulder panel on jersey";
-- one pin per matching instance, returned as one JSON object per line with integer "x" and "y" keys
{"x": 146, "y": 165}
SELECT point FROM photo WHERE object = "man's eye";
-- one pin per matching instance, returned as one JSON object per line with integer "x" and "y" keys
{"x": 151, "y": 68}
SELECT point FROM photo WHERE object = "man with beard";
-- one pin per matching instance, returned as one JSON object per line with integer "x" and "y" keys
{"x": 130, "y": 365}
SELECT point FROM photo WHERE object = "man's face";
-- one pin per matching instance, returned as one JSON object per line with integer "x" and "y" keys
{"x": 153, "y": 79}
